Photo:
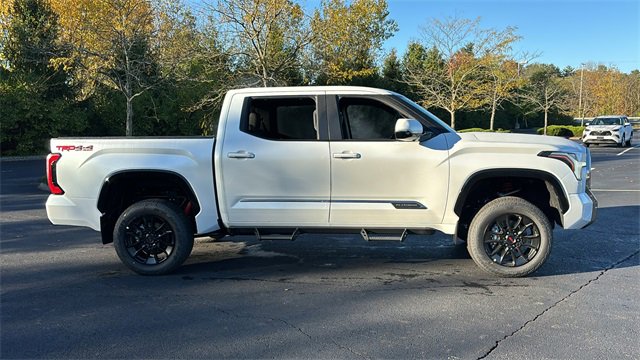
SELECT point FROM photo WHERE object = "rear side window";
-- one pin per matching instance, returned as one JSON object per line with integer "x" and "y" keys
{"x": 281, "y": 118}
{"x": 367, "y": 119}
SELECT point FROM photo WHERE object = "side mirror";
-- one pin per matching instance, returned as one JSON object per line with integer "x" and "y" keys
{"x": 627, "y": 124}
{"x": 587, "y": 124}
{"x": 408, "y": 130}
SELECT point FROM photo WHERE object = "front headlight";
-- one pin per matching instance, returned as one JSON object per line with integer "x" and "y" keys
{"x": 587, "y": 169}
{"x": 616, "y": 128}
{"x": 574, "y": 161}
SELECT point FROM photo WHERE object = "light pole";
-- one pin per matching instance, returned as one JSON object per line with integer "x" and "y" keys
{"x": 580, "y": 97}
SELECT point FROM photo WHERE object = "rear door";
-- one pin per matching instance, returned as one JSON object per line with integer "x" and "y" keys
{"x": 377, "y": 181}
{"x": 274, "y": 162}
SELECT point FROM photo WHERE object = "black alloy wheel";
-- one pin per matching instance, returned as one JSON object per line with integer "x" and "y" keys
{"x": 512, "y": 240}
{"x": 153, "y": 237}
{"x": 509, "y": 237}
{"x": 149, "y": 239}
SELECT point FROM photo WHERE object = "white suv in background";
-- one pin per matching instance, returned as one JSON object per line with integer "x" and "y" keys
{"x": 610, "y": 129}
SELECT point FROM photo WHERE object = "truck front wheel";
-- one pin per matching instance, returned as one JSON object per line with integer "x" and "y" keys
{"x": 153, "y": 237}
{"x": 509, "y": 237}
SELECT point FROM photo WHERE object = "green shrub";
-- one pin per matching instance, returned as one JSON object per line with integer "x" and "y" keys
{"x": 577, "y": 130}
{"x": 562, "y": 130}
{"x": 483, "y": 130}
{"x": 471, "y": 130}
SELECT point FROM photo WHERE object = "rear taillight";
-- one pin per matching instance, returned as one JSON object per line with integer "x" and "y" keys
{"x": 52, "y": 179}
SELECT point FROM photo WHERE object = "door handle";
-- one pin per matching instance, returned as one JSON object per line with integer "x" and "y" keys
{"x": 346, "y": 155}
{"x": 241, "y": 155}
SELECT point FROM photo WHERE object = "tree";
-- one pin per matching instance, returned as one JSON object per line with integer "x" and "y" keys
{"x": 544, "y": 90}
{"x": 457, "y": 79}
{"x": 202, "y": 79}
{"x": 117, "y": 43}
{"x": 392, "y": 73}
{"x": 210, "y": 76}
{"x": 30, "y": 46}
{"x": 36, "y": 101}
{"x": 5, "y": 9}
{"x": 413, "y": 61}
{"x": 419, "y": 61}
{"x": 632, "y": 93}
{"x": 348, "y": 38}
{"x": 504, "y": 80}
{"x": 110, "y": 45}
{"x": 197, "y": 69}
{"x": 605, "y": 90}
{"x": 265, "y": 38}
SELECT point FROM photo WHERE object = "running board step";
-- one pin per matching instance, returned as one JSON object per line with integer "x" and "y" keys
{"x": 274, "y": 236}
{"x": 371, "y": 235}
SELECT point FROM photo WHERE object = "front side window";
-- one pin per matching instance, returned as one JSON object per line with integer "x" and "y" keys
{"x": 367, "y": 119}
{"x": 281, "y": 118}
{"x": 435, "y": 126}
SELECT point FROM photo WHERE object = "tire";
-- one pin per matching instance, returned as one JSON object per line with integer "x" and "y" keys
{"x": 629, "y": 141}
{"x": 153, "y": 237}
{"x": 509, "y": 237}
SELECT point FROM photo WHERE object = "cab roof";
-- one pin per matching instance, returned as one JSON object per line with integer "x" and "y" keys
{"x": 352, "y": 90}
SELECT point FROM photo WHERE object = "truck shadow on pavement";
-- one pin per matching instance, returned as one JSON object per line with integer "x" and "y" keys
{"x": 595, "y": 248}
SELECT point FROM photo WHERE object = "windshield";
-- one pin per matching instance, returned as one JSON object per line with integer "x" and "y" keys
{"x": 607, "y": 121}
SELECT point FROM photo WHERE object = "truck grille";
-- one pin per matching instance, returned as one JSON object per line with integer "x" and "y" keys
{"x": 601, "y": 133}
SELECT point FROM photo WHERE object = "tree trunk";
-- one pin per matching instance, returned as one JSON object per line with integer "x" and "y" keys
{"x": 265, "y": 82}
{"x": 493, "y": 115}
{"x": 546, "y": 115}
{"x": 127, "y": 94}
{"x": 129, "y": 124}
{"x": 453, "y": 119}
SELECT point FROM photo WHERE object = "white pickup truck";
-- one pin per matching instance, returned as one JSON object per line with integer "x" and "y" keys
{"x": 287, "y": 161}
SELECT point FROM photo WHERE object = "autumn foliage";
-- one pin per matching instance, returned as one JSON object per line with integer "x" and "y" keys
{"x": 161, "y": 67}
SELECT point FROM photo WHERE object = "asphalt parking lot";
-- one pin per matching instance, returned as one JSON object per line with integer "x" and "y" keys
{"x": 65, "y": 295}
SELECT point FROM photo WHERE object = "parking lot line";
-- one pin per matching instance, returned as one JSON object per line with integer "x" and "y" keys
{"x": 622, "y": 152}
{"x": 614, "y": 190}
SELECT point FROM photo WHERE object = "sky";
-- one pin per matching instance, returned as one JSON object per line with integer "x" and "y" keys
{"x": 564, "y": 33}
{"x": 561, "y": 32}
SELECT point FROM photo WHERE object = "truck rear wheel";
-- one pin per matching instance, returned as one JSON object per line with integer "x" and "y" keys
{"x": 153, "y": 237}
{"x": 509, "y": 237}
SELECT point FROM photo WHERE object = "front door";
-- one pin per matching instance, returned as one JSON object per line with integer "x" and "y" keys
{"x": 380, "y": 182}
{"x": 274, "y": 163}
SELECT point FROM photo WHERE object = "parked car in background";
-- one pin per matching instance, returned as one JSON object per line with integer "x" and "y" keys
{"x": 611, "y": 129}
